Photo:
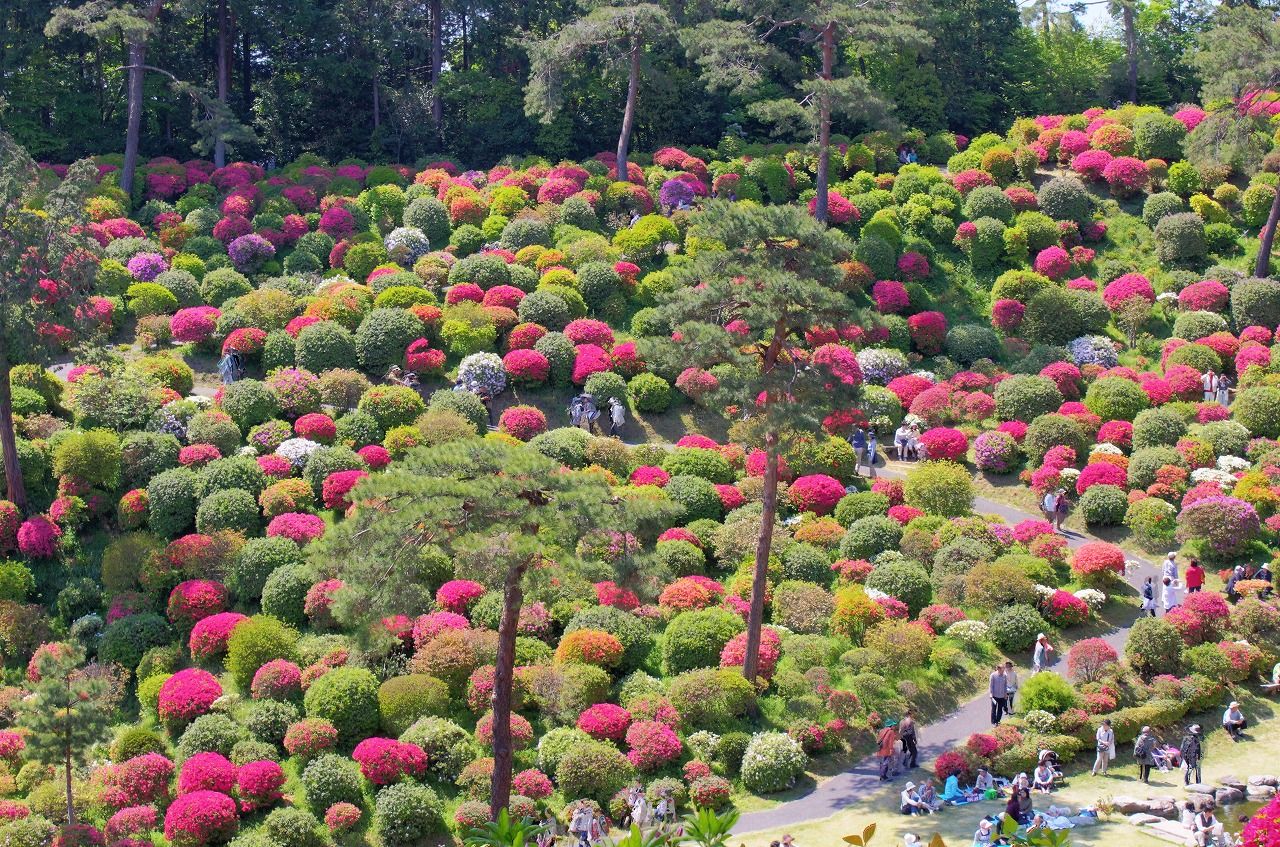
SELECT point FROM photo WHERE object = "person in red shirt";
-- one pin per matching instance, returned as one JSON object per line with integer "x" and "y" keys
{"x": 1194, "y": 577}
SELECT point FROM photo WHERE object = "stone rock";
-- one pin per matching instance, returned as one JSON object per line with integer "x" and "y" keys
{"x": 1200, "y": 799}
{"x": 1142, "y": 818}
{"x": 1232, "y": 782}
{"x": 1264, "y": 779}
{"x": 1261, "y": 792}
{"x": 1085, "y": 820}
{"x": 1200, "y": 788}
{"x": 1228, "y": 796}
{"x": 1161, "y": 807}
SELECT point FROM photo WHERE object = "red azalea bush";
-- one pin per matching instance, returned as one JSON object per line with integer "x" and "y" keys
{"x": 526, "y": 366}
{"x": 1119, "y": 433}
{"x": 1263, "y": 829}
{"x": 195, "y": 599}
{"x": 734, "y": 653}
{"x": 604, "y": 721}
{"x": 198, "y": 455}
{"x": 521, "y": 731}
{"x": 207, "y": 772}
{"x": 341, "y": 817}
{"x": 278, "y": 679}
{"x": 653, "y": 744}
{"x": 522, "y": 422}
{"x": 1101, "y": 473}
{"x": 310, "y": 737}
{"x": 338, "y": 485}
{"x": 385, "y": 760}
{"x": 1126, "y": 287}
{"x": 691, "y": 592}
{"x": 953, "y": 763}
{"x": 1098, "y": 560}
{"x": 138, "y": 781}
{"x": 731, "y": 497}
{"x": 1208, "y": 295}
{"x": 1088, "y": 659}
{"x": 1053, "y": 262}
{"x": 589, "y": 359}
{"x": 589, "y": 331}
{"x": 194, "y": 325}
{"x": 317, "y": 427}
{"x": 1006, "y": 315}
{"x": 1063, "y": 609}
{"x": 210, "y": 635}
{"x": 188, "y": 694}
{"x": 38, "y": 537}
{"x": 817, "y": 493}
{"x": 200, "y": 818}
{"x": 457, "y": 595}
{"x": 375, "y": 456}
{"x": 945, "y": 443}
{"x": 928, "y": 331}
{"x": 891, "y": 296}
{"x": 259, "y": 784}
{"x": 300, "y": 527}
{"x": 939, "y": 616}
{"x": 131, "y": 821}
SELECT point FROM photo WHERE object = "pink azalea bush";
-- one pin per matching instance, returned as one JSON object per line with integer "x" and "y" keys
{"x": 385, "y": 760}
{"x": 200, "y": 818}
{"x": 188, "y": 694}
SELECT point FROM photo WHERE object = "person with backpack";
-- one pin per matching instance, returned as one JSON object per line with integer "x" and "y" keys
{"x": 1149, "y": 596}
{"x": 1049, "y": 505}
{"x": 1144, "y": 748}
{"x": 1192, "y": 750}
{"x": 907, "y": 735}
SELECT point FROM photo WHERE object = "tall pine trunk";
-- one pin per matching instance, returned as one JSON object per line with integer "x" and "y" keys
{"x": 133, "y": 124}
{"x": 503, "y": 679}
{"x": 629, "y": 112}
{"x": 1266, "y": 238}
{"x": 224, "y": 72}
{"x": 9, "y": 443}
{"x": 824, "y": 123}
{"x": 1131, "y": 50}
{"x": 759, "y": 582}
{"x": 71, "y": 808}
{"x": 437, "y": 61}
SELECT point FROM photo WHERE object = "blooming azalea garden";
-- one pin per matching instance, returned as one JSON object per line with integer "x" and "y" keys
{"x": 1043, "y": 302}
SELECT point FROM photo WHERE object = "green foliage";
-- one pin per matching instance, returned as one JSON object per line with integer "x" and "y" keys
{"x": 1014, "y": 628}
{"x": 695, "y": 639}
{"x": 940, "y": 488}
{"x": 347, "y": 697}
{"x": 254, "y": 643}
{"x": 1047, "y": 692}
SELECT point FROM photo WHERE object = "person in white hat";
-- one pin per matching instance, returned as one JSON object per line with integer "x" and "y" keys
{"x": 1170, "y": 567}
{"x": 911, "y": 804}
{"x": 1040, "y": 655}
{"x": 911, "y": 840}
{"x": 983, "y": 837}
{"x": 1233, "y": 721}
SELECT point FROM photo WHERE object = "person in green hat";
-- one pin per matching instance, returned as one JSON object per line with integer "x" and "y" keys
{"x": 888, "y": 740}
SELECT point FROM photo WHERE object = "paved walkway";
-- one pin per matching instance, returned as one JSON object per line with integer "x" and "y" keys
{"x": 845, "y": 789}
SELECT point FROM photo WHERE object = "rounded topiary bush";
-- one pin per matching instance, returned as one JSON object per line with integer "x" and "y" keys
{"x": 1180, "y": 239}
{"x": 382, "y": 337}
{"x": 695, "y": 639}
{"x": 323, "y": 346}
{"x": 1065, "y": 199}
{"x": 255, "y": 642}
{"x": 1258, "y": 410}
{"x": 650, "y": 393}
{"x": 1154, "y": 647}
{"x": 1255, "y": 302}
{"x": 967, "y": 343}
{"x": 1047, "y": 692}
{"x": 904, "y": 580}
{"x": 1014, "y": 628}
{"x": 348, "y": 698}
{"x": 858, "y": 505}
{"x": 1104, "y": 505}
{"x": 406, "y": 813}
{"x": 403, "y": 700}
{"x": 1198, "y": 324}
{"x": 1024, "y": 398}
{"x": 772, "y": 762}
{"x": 939, "y": 488}
{"x": 231, "y": 509}
{"x": 1116, "y": 399}
{"x": 870, "y": 536}
{"x": 696, "y": 497}
{"x": 1157, "y": 428}
{"x": 593, "y": 769}
{"x": 329, "y": 779}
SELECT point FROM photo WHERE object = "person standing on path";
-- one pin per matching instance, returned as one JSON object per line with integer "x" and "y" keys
{"x": 1041, "y": 655}
{"x": 1011, "y": 686}
{"x": 888, "y": 740}
{"x": 859, "y": 442}
{"x": 1060, "y": 508}
{"x": 1149, "y": 596}
{"x": 1170, "y": 567}
{"x": 1168, "y": 595}
{"x": 1209, "y": 384}
{"x": 1106, "y": 742}
{"x": 907, "y": 734}
{"x": 1195, "y": 577}
{"x": 1049, "y": 505}
{"x": 1144, "y": 747}
{"x": 999, "y": 689}
{"x": 1192, "y": 749}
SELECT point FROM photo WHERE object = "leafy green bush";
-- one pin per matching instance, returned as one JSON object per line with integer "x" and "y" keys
{"x": 1255, "y": 302}
{"x": 650, "y": 393}
{"x": 325, "y": 345}
{"x": 711, "y": 698}
{"x": 1159, "y": 206}
{"x": 636, "y": 638}
{"x": 858, "y": 505}
{"x": 1104, "y": 505}
{"x": 233, "y": 509}
{"x": 699, "y": 462}
{"x": 695, "y": 639}
{"x": 696, "y": 497}
{"x": 1025, "y": 398}
{"x": 939, "y": 488}
{"x": 904, "y": 580}
{"x": 870, "y": 536}
{"x": 382, "y": 337}
{"x": 1116, "y": 399}
{"x": 967, "y": 343}
{"x": 255, "y": 642}
{"x": 393, "y": 405}
{"x": 593, "y": 769}
{"x": 171, "y": 506}
{"x": 1048, "y": 692}
{"x": 348, "y": 698}
{"x": 1196, "y": 325}
{"x": 329, "y": 779}
{"x": 771, "y": 762}
{"x": 219, "y": 286}
{"x": 256, "y": 561}
{"x": 1066, "y": 199}
{"x": 125, "y": 640}
{"x": 566, "y": 445}
{"x": 405, "y": 813}
{"x": 1014, "y": 628}
{"x": 212, "y": 733}
{"x": 1180, "y": 239}
{"x": 403, "y": 700}
{"x": 1153, "y": 647}
{"x": 1143, "y": 464}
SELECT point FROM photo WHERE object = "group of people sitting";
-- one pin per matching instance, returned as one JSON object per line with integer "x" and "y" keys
{"x": 923, "y": 798}
{"x": 396, "y": 376}
{"x": 907, "y": 155}
{"x": 906, "y": 442}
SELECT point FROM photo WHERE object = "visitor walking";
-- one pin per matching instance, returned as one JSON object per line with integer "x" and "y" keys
{"x": 859, "y": 442}
{"x": 1049, "y": 505}
{"x": 1169, "y": 568}
{"x": 1236, "y": 576}
{"x": 1149, "y": 596}
{"x": 1011, "y": 687}
{"x": 1061, "y": 506}
{"x": 872, "y": 449}
{"x": 1233, "y": 721}
{"x": 1041, "y": 655}
{"x": 1192, "y": 750}
{"x": 1195, "y": 577}
{"x": 907, "y": 735}
{"x": 998, "y": 687}
{"x": 1144, "y": 748}
{"x": 617, "y": 416}
{"x": 888, "y": 740}
{"x": 1105, "y": 739}
{"x": 1168, "y": 594}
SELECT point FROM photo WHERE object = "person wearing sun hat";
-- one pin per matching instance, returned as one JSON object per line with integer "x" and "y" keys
{"x": 983, "y": 837}
{"x": 911, "y": 802}
{"x": 887, "y": 741}
{"x": 1233, "y": 721}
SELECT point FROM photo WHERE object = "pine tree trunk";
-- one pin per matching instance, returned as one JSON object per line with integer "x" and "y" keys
{"x": 437, "y": 61}
{"x": 1131, "y": 51}
{"x": 824, "y": 124}
{"x": 503, "y": 680}
{"x": 629, "y": 113}
{"x": 1262, "y": 267}
{"x": 9, "y": 442}
{"x": 133, "y": 124}
{"x": 759, "y": 582}
{"x": 224, "y": 71}
{"x": 71, "y": 808}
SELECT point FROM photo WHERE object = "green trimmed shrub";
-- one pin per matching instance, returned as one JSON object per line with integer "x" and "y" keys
{"x": 348, "y": 698}
{"x": 329, "y": 779}
{"x": 939, "y": 488}
{"x": 904, "y": 580}
{"x": 1025, "y": 398}
{"x": 254, "y": 643}
{"x": 771, "y": 762}
{"x": 171, "y": 507}
{"x": 1047, "y": 692}
{"x": 256, "y": 561}
{"x": 1180, "y": 239}
{"x": 403, "y": 700}
{"x": 858, "y": 505}
{"x": 695, "y": 639}
{"x": 233, "y": 509}
{"x": 323, "y": 346}
{"x": 1116, "y": 399}
{"x": 1014, "y": 628}
{"x": 696, "y": 497}
{"x": 870, "y": 536}
{"x": 1258, "y": 410}
{"x": 1154, "y": 647}
{"x": 1066, "y": 199}
{"x": 650, "y": 393}
{"x": 406, "y": 813}
{"x": 1255, "y": 302}
{"x": 1104, "y": 505}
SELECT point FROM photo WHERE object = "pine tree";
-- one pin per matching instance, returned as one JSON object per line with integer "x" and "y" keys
{"x": 1239, "y": 60}
{"x": 67, "y": 712}
{"x": 618, "y": 35}
{"x": 744, "y": 310}
{"x": 503, "y": 514}
{"x": 47, "y": 269}
{"x": 734, "y": 54}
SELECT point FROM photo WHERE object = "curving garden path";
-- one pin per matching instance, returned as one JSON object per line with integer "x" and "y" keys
{"x": 834, "y": 794}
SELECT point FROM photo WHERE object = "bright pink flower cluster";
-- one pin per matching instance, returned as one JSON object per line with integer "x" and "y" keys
{"x": 428, "y": 626}
{"x": 1100, "y": 473}
{"x": 1125, "y": 287}
{"x": 131, "y": 821}
{"x": 195, "y": 599}
{"x": 522, "y": 422}
{"x": 210, "y": 635}
{"x": 608, "y": 593}
{"x": 891, "y": 297}
{"x": 207, "y": 772}
{"x": 385, "y": 760}
{"x": 1007, "y": 314}
{"x": 278, "y": 679}
{"x": 188, "y": 694}
{"x": 38, "y": 537}
{"x": 526, "y": 366}
{"x": 605, "y": 721}
{"x": 300, "y": 527}
{"x": 945, "y": 443}
{"x": 1053, "y": 262}
{"x": 338, "y": 485}
{"x": 589, "y": 331}
{"x": 198, "y": 455}
{"x": 653, "y": 744}
{"x": 734, "y": 653}
{"x": 650, "y": 475}
{"x": 317, "y": 427}
{"x": 589, "y": 359}
{"x": 259, "y": 784}
{"x": 457, "y": 595}
{"x": 928, "y": 332}
{"x": 200, "y": 818}
{"x": 310, "y": 737}
{"x": 194, "y": 325}
{"x": 1062, "y": 609}
{"x": 138, "y": 781}
{"x": 817, "y": 493}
